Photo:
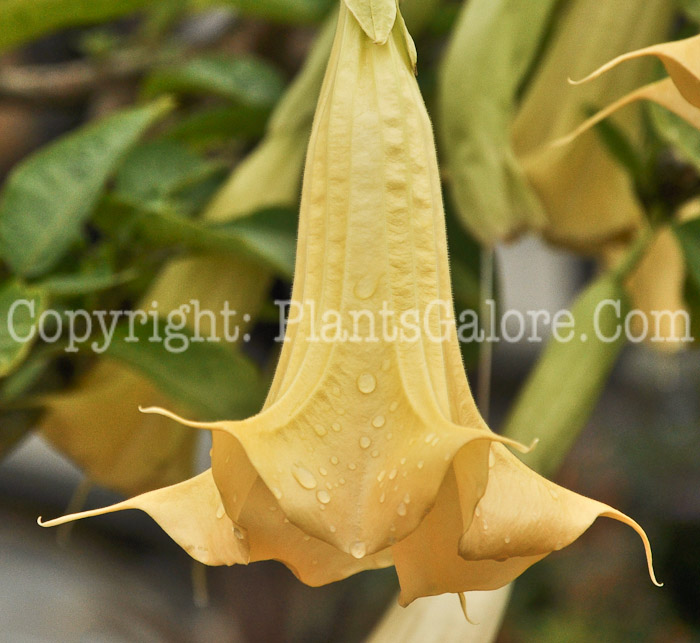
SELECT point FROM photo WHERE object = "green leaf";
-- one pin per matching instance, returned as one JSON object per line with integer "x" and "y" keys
{"x": 26, "y": 20}
{"x": 208, "y": 377}
{"x": 154, "y": 171}
{"x": 688, "y": 234}
{"x": 562, "y": 390}
{"x": 245, "y": 80}
{"x": 49, "y": 196}
{"x": 20, "y": 308}
{"x": 85, "y": 283}
{"x": 279, "y": 10}
{"x": 677, "y": 132}
{"x": 219, "y": 125}
{"x": 267, "y": 237}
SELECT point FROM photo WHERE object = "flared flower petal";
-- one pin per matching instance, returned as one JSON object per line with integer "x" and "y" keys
{"x": 681, "y": 59}
{"x": 192, "y": 515}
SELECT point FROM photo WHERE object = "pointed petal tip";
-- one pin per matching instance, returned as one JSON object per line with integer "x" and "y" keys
{"x": 463, "y": 604}
{"x": 156, "y": 410}
{"x": 619, "y": 516}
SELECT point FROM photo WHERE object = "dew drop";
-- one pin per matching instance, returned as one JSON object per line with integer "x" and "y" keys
{"x": 329, "y": 485}
{"x": 238, "y": 533}
{"x": 492, "y": 459}
{"x": 334, "y": 459}
{"x": 407, "y": 498}
{"x": 485, "y": 525}
{"x": 220, "y": 511}
{"x": 365, "y": 288}
{"x": 435, "y": 441}
{"x": 381, "y": 475}
{"x": 379, "y": 422}
{"x": 341, "y": 480}
{"x": 506, "y": 540}
{"x": 365, "y": 442}
{"x": 307, "y": 538}
{"x": 382, "y": 498}
{"x": 393, "y": 406}
{"x": 320, "y": 430}
{"x": 392, "y": 474}
{"x": 403, "y": 460}
{"x": 553, "y": 493}
{"x": 304, "y": 477}
{"x": 420, "y": 464}
{"x": 272, "y": 508}
{"x": 323, "y": 471}
{"x": 429, "y": 438}
{"x": 375, "y": 453}
{"x": 390, "y": 436}
{"x": 352, "y": 466}
{"x": 336, "y": 427}
{"x": 401, "y": 509}
{"x": 227, "y": 460}
{"x": 358, "y": 550}
{"x": 477, "y": 512}
{"x": 366, "y": 383}
{"x": 276, "y": 493}
{"x": 323, "y": 496}
{"x": 332, "y": 529}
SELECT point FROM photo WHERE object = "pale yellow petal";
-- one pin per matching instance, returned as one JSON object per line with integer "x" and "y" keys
{"x": 192, "y": 514}
{"x": 681, "y": 59}
{"x": 313, "y": 561}
{"x": 376, "y": 17}
{"x": 428, "y": 561}
{"x": 522, "y": 515}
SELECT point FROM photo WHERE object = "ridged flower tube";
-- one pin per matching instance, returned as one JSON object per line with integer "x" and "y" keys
{"x": 369, "y": 449}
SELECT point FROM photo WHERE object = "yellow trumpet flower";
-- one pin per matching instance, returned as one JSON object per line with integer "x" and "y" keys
{"x": 370, "y": 450}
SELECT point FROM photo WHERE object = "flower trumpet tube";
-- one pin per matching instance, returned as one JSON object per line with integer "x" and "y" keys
{"x": 370, "y": 450}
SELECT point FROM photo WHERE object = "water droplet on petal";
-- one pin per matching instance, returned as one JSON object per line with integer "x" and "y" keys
{"x": 553, "y": 493}
{"x": 393, "y": 406}
{"x": 334, "y": 459}
{"x": 304, "y": 477}
{"x": 341, "y": 480}
{"x": 403, "y": 460}
{"x": 429, "y": 438}
{"x": 352, "y": 466}
{"x": 492, "y": 459}
{"x": 407, "y": 498}
{"x": 401, "y": 509}
{"x": 366, "y": 383}
{"x": 320, "y": 430}
{"x": 220, "y": 511}
{"x": 382, "y": 498}
{"x": 323, "y": 496}
{"x": 420, "y": 464}
{"x": 375, "y": 453}
{"x": 238, "y": 533}
{"x": 392, "y": 474}
{"x": 358, "y": 550}
{"x": 389, "y": 436}
{"x": 323, "y": 471}
{"x": 276, "y": 493}
{"x": 484, "y": 524}
{"x": 336, "y": 427}
{"x": 307, "y": 538}
{"x": 365, "y": 442}
{"x": 477, "y": 512}
{"x": 506, "y": 540}
{"x": 332, "y": 529}
{"x": 379, "y": 422}
{"x": 365, "y": 288}
{"x": 381, "y": 475}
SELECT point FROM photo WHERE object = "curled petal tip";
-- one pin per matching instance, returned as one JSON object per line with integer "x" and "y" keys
{"x": 155, "y": 410}
{"x": 39, "y": 522}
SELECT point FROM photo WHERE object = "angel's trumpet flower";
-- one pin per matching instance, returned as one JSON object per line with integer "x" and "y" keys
{"x": 370, "y": 451}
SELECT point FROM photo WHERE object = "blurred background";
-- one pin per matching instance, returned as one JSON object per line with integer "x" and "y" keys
{"x": 180, "y": 190}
